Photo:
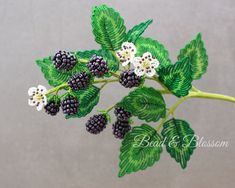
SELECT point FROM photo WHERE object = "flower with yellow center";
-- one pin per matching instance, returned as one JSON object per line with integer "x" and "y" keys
{"x": 37, "y": 97}
{"x": 145, "y": 65}
{"x": 127, "y": 53}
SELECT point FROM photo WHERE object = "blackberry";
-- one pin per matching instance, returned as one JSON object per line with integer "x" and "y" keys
{"x": 97, "y": 66}
{"x": 63, "y": 60}
{"x": 122, "y": 114}
{"x": 96, "y": 123}
{"x": 120, "y": 128}
{"x": 129, "y": 79}
{"x": 52, "y": 108}
{"x": 79, "y": 81}
{"x": 70, "y": 105}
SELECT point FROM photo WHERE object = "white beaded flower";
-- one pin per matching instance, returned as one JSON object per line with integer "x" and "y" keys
{"x": 37, "y": 97}
{"x": 145, "y": 65}
{"x": 127, "y": 53}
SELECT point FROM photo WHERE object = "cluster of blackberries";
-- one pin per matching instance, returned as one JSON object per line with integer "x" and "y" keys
{"x": 69, "y": 106}
{"x": 65, "y": 61}
{"x": 98, "y": 122}
{"x": 129, "y": 79}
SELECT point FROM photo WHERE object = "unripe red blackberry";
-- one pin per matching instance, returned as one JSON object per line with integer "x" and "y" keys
{"x": 52, "y": 108}
{"x": 122, "y": 114}
{"x": 120, "y": 128}
{"x": 79, "y": 81}
{"x": 70, "y": 105}
{"x": 129, "y": 79}
{"x": 97, "y": 66}
{"x": 63, "y": 60}
{"x": 96, "y": 123}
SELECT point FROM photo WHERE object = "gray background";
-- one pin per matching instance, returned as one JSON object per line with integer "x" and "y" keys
{"x": 37, "y": 151}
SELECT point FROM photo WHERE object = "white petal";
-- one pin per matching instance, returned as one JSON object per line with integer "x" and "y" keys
{"x": 155, "y": 63}
{"x": 40, "y": 106}
{"x": 139, "y": 72}
{"x": 151, "y": 73}
{"x": 136, "y": 61}
{"x": 31, "y": 102}
{"x": 44, "y": 100}
{"x": 31, "y": 90}
{"x": 42, "y": 89}
{"x": 129, "y": 45}
{"x": 147, "y": 54}
{"x": 125, "y": 63}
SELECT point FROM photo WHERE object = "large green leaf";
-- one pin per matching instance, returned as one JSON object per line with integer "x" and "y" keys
{"x": 179, "y": 139}
{"x": 108, "y": 27}
{"x": 136, "y": 153}
{"x": 53, "y": 76}
{"x": 177, "y": 78}
{"x": 87, "y": 98}
{"x": 155, "y": 48}
{"x": 197, "y": 55}
{"x": 134, "y": 33}
{"x": 146, "y": 103}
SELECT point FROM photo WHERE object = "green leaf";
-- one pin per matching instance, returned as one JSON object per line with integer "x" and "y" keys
{"x": 179, "y": 139}
{"x": 177, "y": 78}
{"x": 155, "y": 48}
{"x": 146, "y": 103}
{"x": 134, "y": 33}
{"x": 136, "y": 153}
{"x": 53, "y": 76}
{"x": 196, "y": 52}
{"x": 87, "y": 98}
{"x": 108, "y": 27}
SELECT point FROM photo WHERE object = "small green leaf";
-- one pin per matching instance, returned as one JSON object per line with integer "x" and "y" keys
{"x": 108, "y": 27}
{"x": 197, "y": 55}
{"x": 179, "y": 139}
{"x": 146, "y": 103}
{"x": 134, "y": 33}
{"x": 87, "y": 98}
{"x": 53, "y": 76}
{"x": 177, "y": 78}
{"x": 155, "y": 48}
{"x": 136, "y": 152}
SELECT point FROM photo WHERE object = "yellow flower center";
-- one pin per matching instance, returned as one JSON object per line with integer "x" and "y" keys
{"x": 126, "y": 54}
{"x": 39, "y": 97}
{"x": 146, "y": 64}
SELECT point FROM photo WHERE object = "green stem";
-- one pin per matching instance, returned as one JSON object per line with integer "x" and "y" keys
{"x": 195, "y": 94}
{"x": 114, "y": 74}
{"x": 110, "y": 108}
{"x": 83, "y": 60}
{"x": 56, "y": 89}
{"x": 104, "y": 81}
{"x": 206, "y": 95}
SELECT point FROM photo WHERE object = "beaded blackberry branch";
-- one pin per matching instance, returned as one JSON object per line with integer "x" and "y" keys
{"x": 129, "y": 59}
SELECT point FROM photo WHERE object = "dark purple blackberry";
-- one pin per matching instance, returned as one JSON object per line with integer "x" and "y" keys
{"x": 120, "y": 128}
{"x": 97, "y": 66}
{"x": 79, "y": 81}
{"x": 129, "y": 79}
{"x": 52, "y": 108}
{"x": 96, "y": 123}
{"x": 70, "y": 105}
{"x": 122, "y": 114}
{"x": 64, "y": 61}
